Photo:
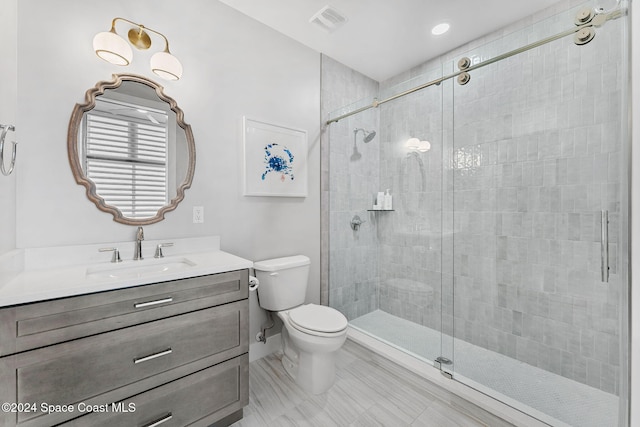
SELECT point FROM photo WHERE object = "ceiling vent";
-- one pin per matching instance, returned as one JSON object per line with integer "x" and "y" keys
{"x": 328, "y": 18}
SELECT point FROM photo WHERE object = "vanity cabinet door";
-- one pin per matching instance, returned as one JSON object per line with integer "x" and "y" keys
{"x": 36, "y": 325}
{"x": 199, "y": 399}
{"x": 115, "y": 365}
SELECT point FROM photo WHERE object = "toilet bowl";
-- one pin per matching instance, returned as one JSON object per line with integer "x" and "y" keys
{"x": 311, "y": 334}
{"x": 308, "y": 354}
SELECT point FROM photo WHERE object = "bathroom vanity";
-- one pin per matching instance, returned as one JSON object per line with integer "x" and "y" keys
{"x": 127, "y": 347}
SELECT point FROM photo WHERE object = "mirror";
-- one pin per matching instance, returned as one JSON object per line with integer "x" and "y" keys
{"x": 129, "y": 146}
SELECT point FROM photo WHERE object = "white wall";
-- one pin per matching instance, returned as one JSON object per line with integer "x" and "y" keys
{"x": 233, "y": 66}
{"x": 8, "y": 98}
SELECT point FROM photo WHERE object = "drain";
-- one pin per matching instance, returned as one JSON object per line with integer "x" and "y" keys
{"x": 443, "y": 360}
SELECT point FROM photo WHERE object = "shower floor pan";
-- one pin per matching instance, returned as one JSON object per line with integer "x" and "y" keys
{"x": 516, "y": 383}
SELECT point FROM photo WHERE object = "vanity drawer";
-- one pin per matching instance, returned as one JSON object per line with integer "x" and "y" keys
{"x": 199, "y": 399}
{"x": 36, "y": 325}
{"x": 115, "y": 365}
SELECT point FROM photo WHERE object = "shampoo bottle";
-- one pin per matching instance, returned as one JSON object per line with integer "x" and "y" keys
{"x": 388, "y": 204}
{"x": 379, "y": 201}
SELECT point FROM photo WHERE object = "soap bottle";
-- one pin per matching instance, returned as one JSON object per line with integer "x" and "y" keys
{"x": 379, "y": 201}
{"x": 388, "y": 204}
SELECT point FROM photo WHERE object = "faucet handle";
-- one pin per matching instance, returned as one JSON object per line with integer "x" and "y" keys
{"x": 159, "y": 253}
{"x": 116, "y": 253}
{"x": 356, "y": 222}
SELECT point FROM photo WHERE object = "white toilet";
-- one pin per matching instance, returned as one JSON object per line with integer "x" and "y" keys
{"x": 312, "y": 334}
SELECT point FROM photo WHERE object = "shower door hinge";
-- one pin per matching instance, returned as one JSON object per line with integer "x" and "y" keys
{"x": 449, "y": 375}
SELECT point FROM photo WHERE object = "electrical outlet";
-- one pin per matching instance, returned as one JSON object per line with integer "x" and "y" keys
{"x": 198, "y": 214}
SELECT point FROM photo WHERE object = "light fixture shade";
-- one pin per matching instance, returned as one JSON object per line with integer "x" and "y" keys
{"x": 112, "y": 48}
{"x": 166, "y": 66}
{"x": 424, "y": 146}
{"x": 413, "y": 143}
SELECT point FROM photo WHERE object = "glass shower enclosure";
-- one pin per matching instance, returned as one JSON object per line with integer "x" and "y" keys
{"x": 503, "y": 260}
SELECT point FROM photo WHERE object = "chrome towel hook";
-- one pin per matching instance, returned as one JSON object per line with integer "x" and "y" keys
{"x": 5, "y": 129}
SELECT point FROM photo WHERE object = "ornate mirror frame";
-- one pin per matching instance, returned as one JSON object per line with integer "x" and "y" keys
{"x": 74, "y": 156}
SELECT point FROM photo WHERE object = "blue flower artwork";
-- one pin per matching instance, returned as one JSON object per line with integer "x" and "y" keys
{"x": 279, "y": 160}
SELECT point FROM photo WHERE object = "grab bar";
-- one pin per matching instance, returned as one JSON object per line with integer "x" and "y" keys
{"x": 5, "y": 129}
{"x": 604, "y": 245}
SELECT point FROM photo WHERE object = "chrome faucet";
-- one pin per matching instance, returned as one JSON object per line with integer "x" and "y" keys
{"x": 137, "y": 252}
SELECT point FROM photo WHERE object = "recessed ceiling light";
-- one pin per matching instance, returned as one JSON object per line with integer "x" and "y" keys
{"x": 440, "y": 29}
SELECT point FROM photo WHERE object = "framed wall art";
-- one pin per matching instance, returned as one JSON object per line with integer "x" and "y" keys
{"x": 275, "y": 160}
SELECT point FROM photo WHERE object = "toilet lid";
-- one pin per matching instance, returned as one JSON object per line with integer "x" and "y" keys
{"x": 318, "y": 318}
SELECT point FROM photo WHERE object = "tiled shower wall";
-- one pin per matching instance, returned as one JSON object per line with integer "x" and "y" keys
{"x": 349, "y": 256}
{"x": 529, "y": 156}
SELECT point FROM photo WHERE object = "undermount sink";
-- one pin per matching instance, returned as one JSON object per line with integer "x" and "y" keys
{"x": 136, "y": 269}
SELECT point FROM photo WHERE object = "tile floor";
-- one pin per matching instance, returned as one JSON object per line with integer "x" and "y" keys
{"x": 369, "y": 391}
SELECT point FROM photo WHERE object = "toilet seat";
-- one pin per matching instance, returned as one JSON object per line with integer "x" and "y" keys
{"x": 317, "y": 320}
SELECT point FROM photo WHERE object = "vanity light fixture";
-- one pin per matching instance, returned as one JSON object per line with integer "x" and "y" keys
{"x": 111, "y": 47}
{"x": 414, "y": 144}
{"x": 424, "y": 146}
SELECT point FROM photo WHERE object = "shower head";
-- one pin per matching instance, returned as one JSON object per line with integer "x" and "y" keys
{"x": 368, "y": 135}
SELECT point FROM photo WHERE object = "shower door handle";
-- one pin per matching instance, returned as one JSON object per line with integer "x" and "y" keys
{"x": 604, "y": 245}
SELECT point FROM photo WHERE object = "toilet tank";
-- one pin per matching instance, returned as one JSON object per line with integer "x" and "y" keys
{"x": 283, "y": 282}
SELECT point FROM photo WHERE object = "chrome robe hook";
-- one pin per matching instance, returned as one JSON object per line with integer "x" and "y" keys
{"x": 5, "y": 129}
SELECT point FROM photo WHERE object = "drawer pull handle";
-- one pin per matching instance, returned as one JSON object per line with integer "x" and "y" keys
{"x": 151, "y": 303}
{"x": 160, "y": 421}
{"x": 153, "y": 356}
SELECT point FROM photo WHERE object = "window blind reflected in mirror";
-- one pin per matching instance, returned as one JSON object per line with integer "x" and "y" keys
{"x": 125, "y": 155}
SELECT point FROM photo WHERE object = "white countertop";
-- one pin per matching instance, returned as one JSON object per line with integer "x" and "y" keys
{"x": 48, "y": 273}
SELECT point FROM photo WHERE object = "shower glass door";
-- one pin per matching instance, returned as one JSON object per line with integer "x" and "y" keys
{"x": 536, "y": 169}
{"x": 386, "y": 274}
{"x": 410, "y": 239}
